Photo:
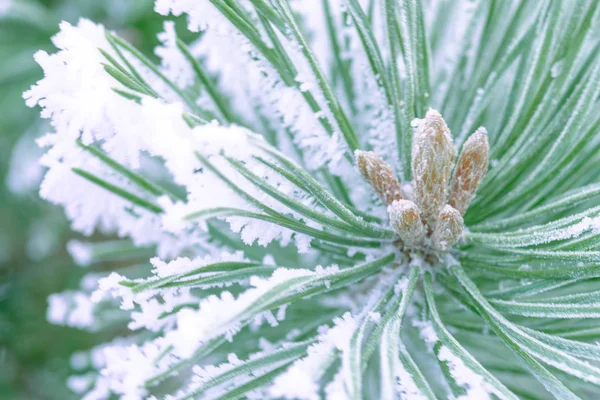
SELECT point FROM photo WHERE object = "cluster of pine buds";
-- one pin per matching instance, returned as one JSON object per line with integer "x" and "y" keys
{"x": 432, "y": 220}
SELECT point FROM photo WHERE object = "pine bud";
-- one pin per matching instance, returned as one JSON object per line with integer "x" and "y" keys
{"x": 405, "y": 218}
{"x": 433, "y": 157}
{"x": 470, "y": 170}
{"x": 379, "y": 175}
{"x": 448, "y": 228}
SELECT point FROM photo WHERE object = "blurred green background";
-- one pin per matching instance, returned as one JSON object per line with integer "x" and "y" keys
{"x": 34, "y": 355}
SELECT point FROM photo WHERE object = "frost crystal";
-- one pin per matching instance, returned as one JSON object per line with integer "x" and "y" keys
{"x": 174, "y": 64}
{"x": 80, "y": 252}
{"x": 70, "y": 308}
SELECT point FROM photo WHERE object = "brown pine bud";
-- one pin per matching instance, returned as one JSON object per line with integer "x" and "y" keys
{"x": 470, "y": 170}
{"x": 433, "y": 155}
{"x": 379, "y": 175}
{"x": 405, "y": 218}
{"x": 448, "y": 228}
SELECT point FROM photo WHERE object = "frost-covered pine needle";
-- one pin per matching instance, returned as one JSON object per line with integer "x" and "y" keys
{"x": 286, "y": 215}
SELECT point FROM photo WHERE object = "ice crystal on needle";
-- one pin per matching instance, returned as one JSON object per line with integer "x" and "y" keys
{"x": 293, "y": 220}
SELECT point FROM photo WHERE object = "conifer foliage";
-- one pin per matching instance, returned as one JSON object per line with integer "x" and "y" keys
{"x": 340, "y": 199}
